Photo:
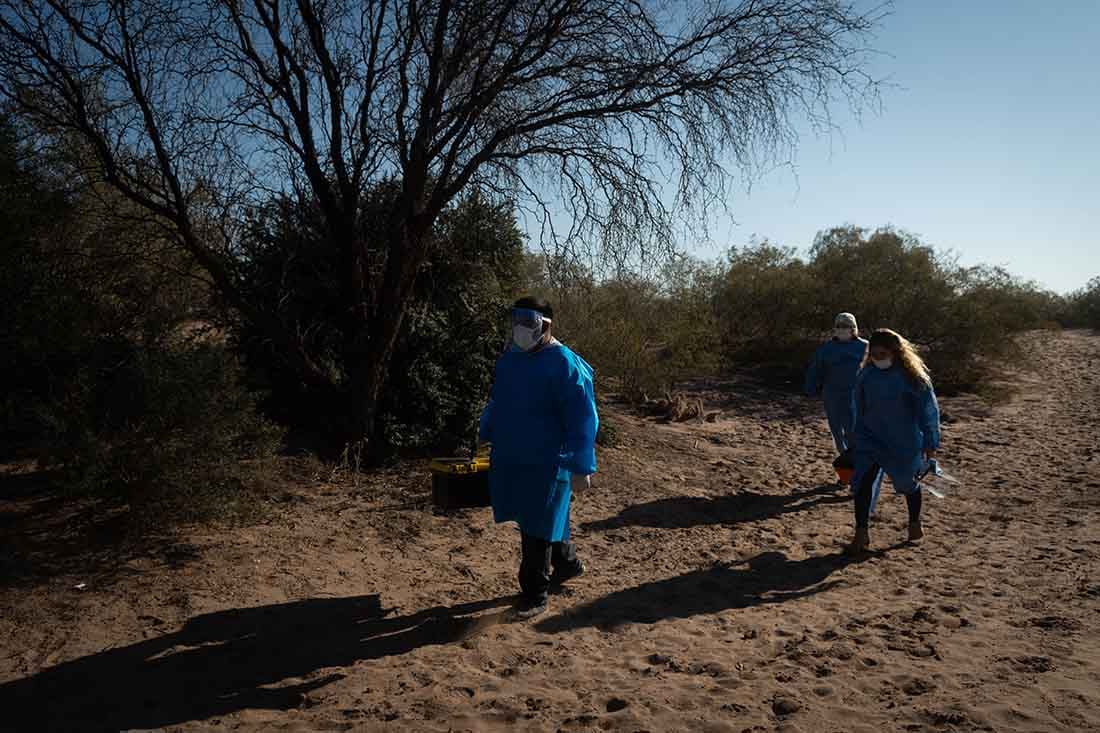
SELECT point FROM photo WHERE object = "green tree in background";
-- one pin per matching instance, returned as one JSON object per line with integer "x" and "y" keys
{"x": 766, "y": 302}
{"x": 454, "y": 330}
{"x": 1082, "y": 308}
{"x": 197, "y": 110}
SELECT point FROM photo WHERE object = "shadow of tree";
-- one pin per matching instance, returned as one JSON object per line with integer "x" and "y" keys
{"x": 682, "y": 512}
{"x": 264, "y": 657}
{"x": 767, "y": 578}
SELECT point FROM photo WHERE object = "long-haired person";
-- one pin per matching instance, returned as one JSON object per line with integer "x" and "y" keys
{"x": 897, "y": 429}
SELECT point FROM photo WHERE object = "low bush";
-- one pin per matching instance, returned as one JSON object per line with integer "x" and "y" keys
{"x": 106, "y": 376}
{"x": 775, "y": 308}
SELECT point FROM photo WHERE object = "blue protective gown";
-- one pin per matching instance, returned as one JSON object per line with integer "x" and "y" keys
{"x": 542, "y": 423}
{"x": 896, "y": 421}
{"x": 832, "y": 374}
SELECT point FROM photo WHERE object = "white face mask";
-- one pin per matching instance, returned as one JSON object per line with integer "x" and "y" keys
{"x": 526, "y": 337}
{"x": 843, "y": 333}
{"x": 883, "y": 363}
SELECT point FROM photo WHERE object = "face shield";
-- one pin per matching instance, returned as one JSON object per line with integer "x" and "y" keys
{"x": 527, "y": 328}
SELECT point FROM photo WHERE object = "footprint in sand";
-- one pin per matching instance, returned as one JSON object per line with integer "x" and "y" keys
{"x": 1056, "y": 623}
{"x": 1029, "y": 664}
{"x": 944, "y": 718}
{"x": 785, "y": 706}
{"x": 918, "y": 686}
{"x": 843, "y": 652}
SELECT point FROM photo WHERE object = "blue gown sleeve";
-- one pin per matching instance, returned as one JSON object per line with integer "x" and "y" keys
{"x": 928, "y": 412}
{"x": 814, "y": 376}
{"x": 861, "y": 408}
{"x": 575, "y": 397}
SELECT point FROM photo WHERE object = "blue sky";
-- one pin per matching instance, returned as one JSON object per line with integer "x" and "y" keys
{"x": 989, "y": 145}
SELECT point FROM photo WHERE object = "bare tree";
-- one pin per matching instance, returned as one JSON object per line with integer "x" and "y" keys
{"x": 193, "y": 108}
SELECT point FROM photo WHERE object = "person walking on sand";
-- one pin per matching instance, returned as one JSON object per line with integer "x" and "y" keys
{"x": 541, "y": 424}
{"x": 897, "y": 430}
{"x": 832, "y": 375}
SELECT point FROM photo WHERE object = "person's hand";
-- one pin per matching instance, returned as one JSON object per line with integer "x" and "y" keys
{"x": 581, "y": 484}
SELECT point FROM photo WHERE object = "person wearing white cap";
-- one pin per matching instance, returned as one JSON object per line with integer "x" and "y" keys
{"x": 832, "y": 375}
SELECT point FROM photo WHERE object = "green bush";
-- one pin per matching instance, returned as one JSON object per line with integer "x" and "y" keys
{"x": 453, "y": 331}
{"x": 988, "y": 308}
{"x": 774, "y": 308}
{"x": 888, "y": 279}
{"x": 1082, "y": 308}
{"x": 443, "y": 365}
{"x": 642, "y": 334}
{"x": 169, "y": 430}
{"x": 100, "y": 377}
{"x": 767, "y": 306}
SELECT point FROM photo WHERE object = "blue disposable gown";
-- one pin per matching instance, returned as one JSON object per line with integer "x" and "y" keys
{"x": 832, "y": 374}
{"x": 896, "y": 421}
{"x": 542, "y": 423}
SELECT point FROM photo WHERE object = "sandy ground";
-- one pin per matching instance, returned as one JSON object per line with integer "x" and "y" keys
{"x": 716, "y": 599}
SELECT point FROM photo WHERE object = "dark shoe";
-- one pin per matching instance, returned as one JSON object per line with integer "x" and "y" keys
{"x": 860, "y": 544}
{"x": 916, "y": 532}
{"x": 561, "y": 576}
{"x": 528, "y": 608}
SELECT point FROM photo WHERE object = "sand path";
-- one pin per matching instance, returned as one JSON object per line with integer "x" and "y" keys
{"x": 717, "y": 599}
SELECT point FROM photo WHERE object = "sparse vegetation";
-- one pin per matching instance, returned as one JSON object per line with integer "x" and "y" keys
{"x": 766, "y": 307}
{"x": 109, "y": 375}
{"x": 126, "y": 371}
{"x": 1082, "y": 308}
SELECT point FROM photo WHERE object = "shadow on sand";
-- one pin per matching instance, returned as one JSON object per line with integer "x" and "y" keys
{"x": 682, "y": 512}
{"x": 767, "y": 578}
{"x": 219, "y": 663}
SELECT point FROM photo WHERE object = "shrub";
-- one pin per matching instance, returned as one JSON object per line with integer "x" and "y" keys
{"x": 169, "y": 430}
{"x": 99, "y": 379}
{"x": 775, "y": 308}
{"x": 458, "y": 324}
{"x": 642, "y": 334}
{"x": 888, "y": 279}
{"x": 1082, "y": 308}
{"x": 987, "y": 309}
{"x": 767, "y": 304}
{"x": 452, "y": 333}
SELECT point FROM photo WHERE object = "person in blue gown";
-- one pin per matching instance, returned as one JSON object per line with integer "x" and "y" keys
{"x": 541, "y": 424}
{"x": 897, "y": 430}
{"x": 832, "y": 376}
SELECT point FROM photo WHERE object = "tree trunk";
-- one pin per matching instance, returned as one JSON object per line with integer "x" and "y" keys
{"x": 371, "y": 362}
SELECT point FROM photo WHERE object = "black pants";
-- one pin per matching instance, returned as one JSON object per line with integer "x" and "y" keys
{"x": 538, "y": 556}
{"x": 866, "y": 490}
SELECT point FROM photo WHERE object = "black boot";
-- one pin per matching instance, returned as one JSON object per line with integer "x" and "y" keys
{"x": 530, "y": 607}
{"x": 566, "y": 565}
{"x": 534, "y": 576}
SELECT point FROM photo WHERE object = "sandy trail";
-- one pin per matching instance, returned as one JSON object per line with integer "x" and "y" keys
{"x": 716, "y": 600}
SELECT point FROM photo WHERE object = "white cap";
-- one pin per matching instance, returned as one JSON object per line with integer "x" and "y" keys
{"x": 845, "y": 320}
